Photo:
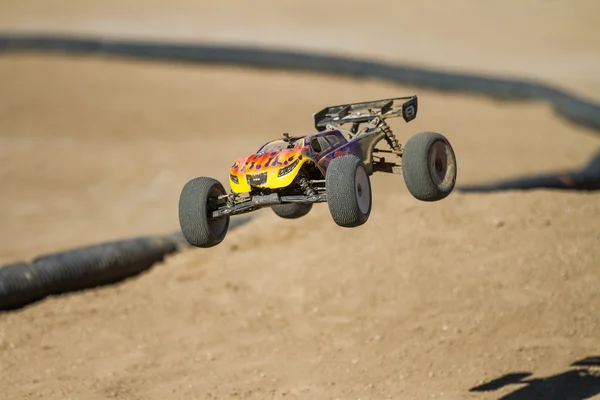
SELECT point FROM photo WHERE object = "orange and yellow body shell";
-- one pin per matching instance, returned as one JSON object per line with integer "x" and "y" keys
{"x": 272, "y": 170}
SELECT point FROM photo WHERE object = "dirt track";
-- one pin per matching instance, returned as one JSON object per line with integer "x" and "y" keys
{"x": 424, "y": 300}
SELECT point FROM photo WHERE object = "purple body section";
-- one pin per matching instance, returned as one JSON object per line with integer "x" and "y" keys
{"x": 323, "y": 147}
{"x": 320, "y": 147}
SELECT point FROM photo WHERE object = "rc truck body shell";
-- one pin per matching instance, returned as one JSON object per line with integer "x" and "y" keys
{"x": 277, "y": 163}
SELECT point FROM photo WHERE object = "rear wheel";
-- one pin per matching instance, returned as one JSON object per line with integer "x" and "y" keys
{"x": 292, "y": 210}
{"x": 348, "y": 191}
{"x": 429, "y": 166}
{"x": 199, "y": 197}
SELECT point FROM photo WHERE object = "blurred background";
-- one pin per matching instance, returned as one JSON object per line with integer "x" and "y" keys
{"x": 432, "y": 300}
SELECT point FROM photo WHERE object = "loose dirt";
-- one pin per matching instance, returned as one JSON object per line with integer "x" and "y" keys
{"x": 425, "y": 300}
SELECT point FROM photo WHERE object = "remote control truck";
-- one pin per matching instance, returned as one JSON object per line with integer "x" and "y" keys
{"x": 332, "y": 165}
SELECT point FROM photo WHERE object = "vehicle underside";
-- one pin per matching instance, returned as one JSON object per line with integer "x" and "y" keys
{"x": 307, "y": 188}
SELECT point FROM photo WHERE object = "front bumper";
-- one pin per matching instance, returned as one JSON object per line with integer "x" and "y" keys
{"x": 269, "y": 179}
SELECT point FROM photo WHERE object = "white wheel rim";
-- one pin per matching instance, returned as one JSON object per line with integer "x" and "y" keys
{"x": 441, "y": 164}
{"x": 362, "y": 190}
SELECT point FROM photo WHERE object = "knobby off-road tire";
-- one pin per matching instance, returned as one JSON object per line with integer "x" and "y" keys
{"x": 429, "y": 166}
{"x": 198, "y": 198}
{"x": 292, "y": 210}
{"x": 348, "y": 191}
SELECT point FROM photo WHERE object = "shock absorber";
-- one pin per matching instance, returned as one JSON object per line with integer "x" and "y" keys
{"x": 390, "y": 137}
{"x": 232, "y": 198}
{"x": 305, "y": 185}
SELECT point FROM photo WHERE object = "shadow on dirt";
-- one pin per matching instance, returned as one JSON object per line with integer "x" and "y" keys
{"x": 586, "y": 179}
{"x": 580, "y": 382}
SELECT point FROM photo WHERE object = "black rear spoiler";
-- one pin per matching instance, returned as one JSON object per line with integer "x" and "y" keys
{"x": 406, "y": 107}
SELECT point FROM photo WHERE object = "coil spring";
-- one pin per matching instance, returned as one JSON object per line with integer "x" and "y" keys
{"x": 232, "y": 199}
{"x": 390, "y": 137}
{"x": 305, "y": 185}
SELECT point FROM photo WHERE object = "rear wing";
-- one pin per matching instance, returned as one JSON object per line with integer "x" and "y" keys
{"x": 406, "y": 107}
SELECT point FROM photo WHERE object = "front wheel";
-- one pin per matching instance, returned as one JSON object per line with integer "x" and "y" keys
{"x": 429, "y": 166}
{"x": 199, "y": 197}
{"x": 348, "y": 191}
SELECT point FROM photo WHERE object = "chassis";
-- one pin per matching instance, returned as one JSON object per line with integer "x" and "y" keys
{"x": 333, "y": 165}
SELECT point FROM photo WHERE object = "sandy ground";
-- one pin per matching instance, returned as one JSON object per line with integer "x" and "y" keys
{"x": 424, "y": 301}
